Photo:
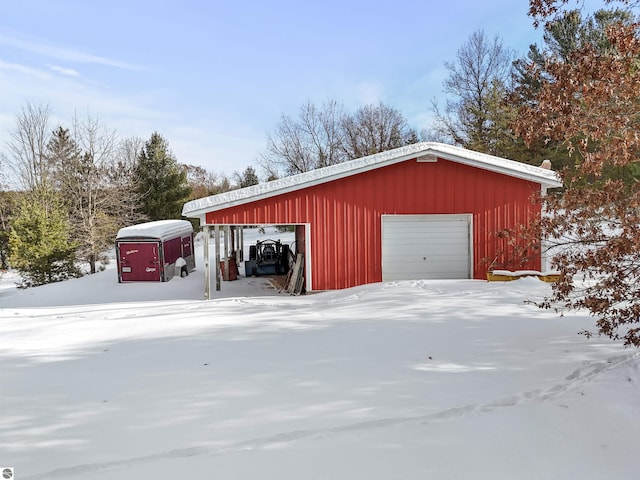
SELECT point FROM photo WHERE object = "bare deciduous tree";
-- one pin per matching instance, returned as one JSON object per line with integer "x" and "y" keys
{"x": 325, "y": 136}
{"x": 81, "y": 160}
{"x": 95, "y": 216}
{"x": 373, "y": 129}
{"x": 474, "y": 116}
{"x": 311, "y": 141}
{"x": 204, "y": 183}
{"x": 27, "y": 147}
{"x": 94, "y": 173}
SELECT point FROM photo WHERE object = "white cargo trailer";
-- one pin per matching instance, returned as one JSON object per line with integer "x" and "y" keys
{"x": 155, "y": 251}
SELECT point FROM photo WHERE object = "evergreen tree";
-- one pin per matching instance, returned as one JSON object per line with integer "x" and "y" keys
{"x": 411, "y": 137}
{"x": 39, "y": 241}
{"x": 564, "y": 34}
{"x": 162, "y": 182}
{"x": 247, "y": 178}
{"x": 62, "y": 153}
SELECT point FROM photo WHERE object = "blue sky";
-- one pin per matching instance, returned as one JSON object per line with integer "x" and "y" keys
{"x": 213, "y": 77}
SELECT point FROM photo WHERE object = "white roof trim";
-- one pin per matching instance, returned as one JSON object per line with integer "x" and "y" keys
{"x": 198, "y": 208}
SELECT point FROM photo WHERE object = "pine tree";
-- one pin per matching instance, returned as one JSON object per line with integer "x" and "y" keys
{"x": 162, "y": 182}
{"x": 62, "y": 152}
{"x": 248, "y": 178}
{"x": 565, "y": 33}
{"x": 39, "y": 241}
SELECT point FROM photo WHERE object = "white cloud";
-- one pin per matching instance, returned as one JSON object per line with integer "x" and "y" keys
{"x": 197, "y": 136}
{"x": 200, "y": 139}
{"x": 20, "y": 69}
{"x": 68, "y": 93}
{"x": 63, "y": 53}
{"x": 65, "y": 71}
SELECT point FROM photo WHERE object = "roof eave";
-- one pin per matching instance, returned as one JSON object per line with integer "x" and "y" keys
{"x": 201, "y": 212}
{"x": 550, "y": 180}
{"x": 545, "y": 178}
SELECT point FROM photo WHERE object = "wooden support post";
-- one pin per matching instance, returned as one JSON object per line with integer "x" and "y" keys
{"x": 207, "y": 272}
{"x": 216, "y": 230}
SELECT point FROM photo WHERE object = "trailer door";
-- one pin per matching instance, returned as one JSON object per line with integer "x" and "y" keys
{"x": 139, "y": 261}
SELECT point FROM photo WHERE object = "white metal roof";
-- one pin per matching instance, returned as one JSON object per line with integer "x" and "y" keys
{"x": 160, "y": 229}
{"x": 199, "y": 207}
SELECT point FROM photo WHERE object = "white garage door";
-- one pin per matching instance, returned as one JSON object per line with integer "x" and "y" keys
{"x": 418, "y": 247}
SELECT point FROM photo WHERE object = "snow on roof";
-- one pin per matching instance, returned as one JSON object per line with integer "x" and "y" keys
{"x": 161, "y": 229}
{"x": 199, "y": 207}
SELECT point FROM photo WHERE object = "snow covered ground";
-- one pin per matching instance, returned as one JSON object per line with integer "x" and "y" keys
{"x": 405, "y": 380}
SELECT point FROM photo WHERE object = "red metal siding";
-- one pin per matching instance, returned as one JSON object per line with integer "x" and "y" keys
{"x": 345, "y": 214}
{"x": 172, "y": 250}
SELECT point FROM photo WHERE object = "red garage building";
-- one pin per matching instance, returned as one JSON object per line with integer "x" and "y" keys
{"x": 426, "y": 210}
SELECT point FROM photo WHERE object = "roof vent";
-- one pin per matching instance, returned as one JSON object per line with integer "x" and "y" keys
{"x": 546, "y": 164}
{"x": 427, "y": 158}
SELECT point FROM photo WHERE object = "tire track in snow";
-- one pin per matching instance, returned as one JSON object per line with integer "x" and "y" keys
{"x": 578, "y": 377}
